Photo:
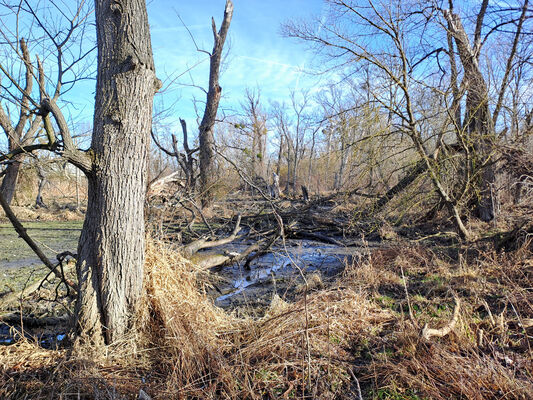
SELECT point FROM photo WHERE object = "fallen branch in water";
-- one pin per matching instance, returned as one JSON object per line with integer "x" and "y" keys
{"x": 34, "y": 322}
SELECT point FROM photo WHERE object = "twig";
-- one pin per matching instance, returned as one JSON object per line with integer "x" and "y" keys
{"x": 358, "y": 387}
{"x": 411, "y": 315}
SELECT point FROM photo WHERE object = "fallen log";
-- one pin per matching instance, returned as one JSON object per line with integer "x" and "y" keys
{"x": 205, "y": 243}
{"x": 33, "y": 322}
{"x": 11, "y": 297}
{"x": 317, "y": 236}
{"x": 419, "y": 168}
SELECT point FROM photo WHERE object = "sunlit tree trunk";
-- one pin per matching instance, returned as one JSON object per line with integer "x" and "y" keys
{"x": 9, "y": 182}
{"x": 111, "y": 247}
{"x": 478, "y": 118}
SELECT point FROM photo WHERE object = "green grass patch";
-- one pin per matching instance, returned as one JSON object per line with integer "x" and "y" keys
{"x": 53, "y": 237}
{"x": 19, "y": 266}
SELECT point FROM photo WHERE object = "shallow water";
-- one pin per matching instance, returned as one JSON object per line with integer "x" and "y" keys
{"x": 48, "y": 340}
{"x": 280, "y": 271}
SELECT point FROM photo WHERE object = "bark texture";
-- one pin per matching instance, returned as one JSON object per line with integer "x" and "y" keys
{"x": 9, "y": 183}
{"x": 111, "y": 247}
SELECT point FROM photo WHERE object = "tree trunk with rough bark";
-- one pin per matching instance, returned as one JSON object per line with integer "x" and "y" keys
{"x": 42, "y": 181}
{"x": 111, "y": 247}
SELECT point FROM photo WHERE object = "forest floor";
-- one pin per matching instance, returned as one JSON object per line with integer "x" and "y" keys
{"x": 399, "y": 312}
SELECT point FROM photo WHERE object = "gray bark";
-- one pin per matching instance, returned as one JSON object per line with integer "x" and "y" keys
{"x": 42, "y": 181}
{"x": 111, "y": 247}
{"x": 206, "y": 134}
{"x": 280, "y": 153}
{"x": 274, "y": 188}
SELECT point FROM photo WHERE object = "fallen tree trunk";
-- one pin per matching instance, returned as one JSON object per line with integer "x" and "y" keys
{"x": 9, "y": 298}
{"x": 418, "y": 169}
{"x": 316, "y": 236}
{"x": 204, "y": 243}
{"x": 33, "y": 322}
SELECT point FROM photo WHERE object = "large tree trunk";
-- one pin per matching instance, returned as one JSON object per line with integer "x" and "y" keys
{"x": 9, "y": 182}
{"x": 111, "y": 247}
{"x": 479, "y": 120}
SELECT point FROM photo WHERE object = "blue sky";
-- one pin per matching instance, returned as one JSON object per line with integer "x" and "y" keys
{"x": 258, "y": 55}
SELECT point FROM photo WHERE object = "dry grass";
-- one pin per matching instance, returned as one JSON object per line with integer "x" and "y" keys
{"x": 487, "y": 356}
{"x": 181, "y": 325}
{"x": 321, "y": 346}
{"x": 43, "y": 214}
{"x": 295, "y": 349}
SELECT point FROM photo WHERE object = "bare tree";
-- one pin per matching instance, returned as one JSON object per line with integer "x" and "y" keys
{"x": 206, "y": 129}
{"x": 399, "y": 44}
{"x": 392, "y": 62}
{"x": 255, "y": 127}
{"x": 294, "y": 125}
{"x": 66, "y": 50}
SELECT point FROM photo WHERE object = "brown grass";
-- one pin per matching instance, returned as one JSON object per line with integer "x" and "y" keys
{"x": 321, "y": 346}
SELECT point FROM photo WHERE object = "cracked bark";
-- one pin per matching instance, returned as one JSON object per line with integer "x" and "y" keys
{"x": 111, "y": 247}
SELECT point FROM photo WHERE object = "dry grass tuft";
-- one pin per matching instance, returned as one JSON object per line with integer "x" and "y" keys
{"x": 24, "y": 369}
{"x": 304, "y": 348}
{"x": 295, "y": 349}
{"x": 446, "y": 370}
{"x": 181, "y": 324}
{"x": 487, "y": 356}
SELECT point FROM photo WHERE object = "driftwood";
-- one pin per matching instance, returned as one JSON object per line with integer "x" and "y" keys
{"x": 158, "y": 185}
{"x": 11, "y": 297}
{"x": 428, "y": 333}
{"x": 248, "y": 255}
